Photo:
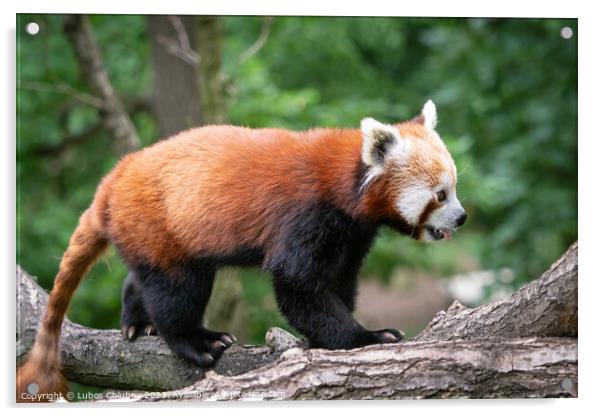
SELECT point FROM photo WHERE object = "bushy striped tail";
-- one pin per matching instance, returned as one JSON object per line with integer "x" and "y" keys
{"x": 39, "y": 378}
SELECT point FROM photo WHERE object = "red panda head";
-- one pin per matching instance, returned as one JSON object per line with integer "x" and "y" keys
{"x": 416, "y": 173}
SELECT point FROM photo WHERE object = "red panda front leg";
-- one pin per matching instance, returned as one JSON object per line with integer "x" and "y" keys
{"x": 176, "y": 304}
{"x": 325, "y": 320}
{"x": 315, "y": 261}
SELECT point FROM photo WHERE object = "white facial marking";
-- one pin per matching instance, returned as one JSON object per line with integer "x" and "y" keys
{"x": 412, "y": 202}
{"x": 414, "y": 199}
{"x": 446, "y": 215}
{"x": 429, "y": 112}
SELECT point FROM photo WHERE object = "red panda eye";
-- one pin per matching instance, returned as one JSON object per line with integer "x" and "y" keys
{"x": 441, "y": 196}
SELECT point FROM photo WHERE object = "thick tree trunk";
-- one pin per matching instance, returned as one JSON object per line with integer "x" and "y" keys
{"x": 211, "y": 77}
{"x": 462, "y": 353}
{"x": 176, "y": 98}
{"x": 115, "y": 119}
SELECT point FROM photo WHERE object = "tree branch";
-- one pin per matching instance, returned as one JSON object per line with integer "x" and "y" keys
{"x": 103, "y": 358}
{"x": 181, "y": 47}
{"x": 462, "y": 353}
{"x": 260, "y": 41}
{"x": 546, "y": 307}
{"x": 139, "y": 104}
{"x": 62, "y": 88}
{"x": 115, "y": 118}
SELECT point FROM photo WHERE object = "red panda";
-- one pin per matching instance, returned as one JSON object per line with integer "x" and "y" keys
{"x": 306, "y": 206}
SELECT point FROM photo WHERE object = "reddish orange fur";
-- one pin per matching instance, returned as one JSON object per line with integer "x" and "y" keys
{"x": 209, "y": 190}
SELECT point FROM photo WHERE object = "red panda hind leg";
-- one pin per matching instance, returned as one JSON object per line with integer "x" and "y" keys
{"x": 176, "y": 304}
{"x": 135, "y": 320}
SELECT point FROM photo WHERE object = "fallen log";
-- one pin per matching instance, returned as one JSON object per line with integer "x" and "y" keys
{"x": 533, "y": 367}
{"x": 522, "y": 346}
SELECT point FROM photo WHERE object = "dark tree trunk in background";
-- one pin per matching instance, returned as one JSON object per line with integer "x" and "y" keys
{"x": 188, "y": 92}
{"x": 211, "y": 78}
{"x": 176, "y": 97}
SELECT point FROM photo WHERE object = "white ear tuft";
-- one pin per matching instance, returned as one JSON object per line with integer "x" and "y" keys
{"x": 368, "y": 124}
{"x": 429, "y": 113}
{"x": 377, "y": 141}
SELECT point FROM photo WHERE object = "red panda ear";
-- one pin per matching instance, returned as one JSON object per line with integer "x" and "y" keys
{"x": 428, "y": 116}
{"x": 377, "y": 141}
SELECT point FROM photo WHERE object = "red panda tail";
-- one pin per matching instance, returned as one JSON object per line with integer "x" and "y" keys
{"x": 39, "y": 378}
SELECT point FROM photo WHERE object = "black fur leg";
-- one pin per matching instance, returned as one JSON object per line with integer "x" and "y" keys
{"x": 326, "y": 321}
{"x": 322, "y": 317}
{"x": 346, "y": 289}
{"x": 315, "y": 265}
{"x": 345, "y": 282}
{"x": 135, "y": 321}
{"x": 176, "y": 305}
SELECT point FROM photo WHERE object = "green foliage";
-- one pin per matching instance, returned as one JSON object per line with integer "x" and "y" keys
{"x": 505, "y": 91}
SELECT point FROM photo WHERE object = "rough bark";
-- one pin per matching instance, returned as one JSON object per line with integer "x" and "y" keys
{"x": 490, "y": 351}
{"x": 546, "y": 307}
{"x": 535, "y": 367}
{"x": 176, "y": 98}
{"x": 115, "y": 119}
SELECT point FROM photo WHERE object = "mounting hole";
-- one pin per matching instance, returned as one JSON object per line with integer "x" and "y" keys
{"x": 566, "y": 32}
{"x": 566, "y": 384}
{"x": 32, "y": 28}
{"x": 33, "y": 388}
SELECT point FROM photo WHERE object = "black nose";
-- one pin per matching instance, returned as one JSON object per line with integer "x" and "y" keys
{"x": 461, "y": 219}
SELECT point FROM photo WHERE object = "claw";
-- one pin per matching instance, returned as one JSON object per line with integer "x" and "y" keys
{"x": 389, "y": 337}
{"x": 207, "y": 360}
{"x": 218, "y": 345}
{"x": 131, "y": 333}
{"x": 149, "y": 330}
{"x": 228, "y": 339}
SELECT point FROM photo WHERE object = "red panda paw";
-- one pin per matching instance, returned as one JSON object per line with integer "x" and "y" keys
{"x": 224, "y": 337}
{"x": 202, "y": 346}
{"x": 131, "y": 332}
{"x": 387, "y": 336}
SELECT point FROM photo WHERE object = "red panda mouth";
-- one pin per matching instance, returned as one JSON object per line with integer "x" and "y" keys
{"x": 439, "y": 233}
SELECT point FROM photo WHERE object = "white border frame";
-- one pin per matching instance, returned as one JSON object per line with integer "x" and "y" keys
{"x": 590, "y": 73}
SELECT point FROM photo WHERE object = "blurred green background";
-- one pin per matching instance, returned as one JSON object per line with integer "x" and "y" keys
{"x": 506, "y": 92}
